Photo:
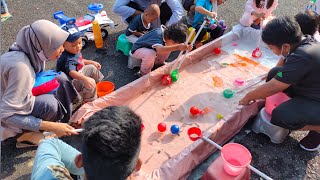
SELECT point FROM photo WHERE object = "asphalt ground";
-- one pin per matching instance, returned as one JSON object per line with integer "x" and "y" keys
{"x": 283, "y": 161}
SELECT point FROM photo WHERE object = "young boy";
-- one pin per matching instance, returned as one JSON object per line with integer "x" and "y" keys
{"x": 155, "y": 46}
{"x": 203, "y": 9}
{"x": 85, "y": 73}
{"x": 298, "y": 76}
{"x": 110, "y": 149}
{"x": 141, "y": 24}
{"x": 308, "y": 22}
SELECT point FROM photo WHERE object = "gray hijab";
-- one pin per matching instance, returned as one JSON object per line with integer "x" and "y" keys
{"x": 39, "y": 41}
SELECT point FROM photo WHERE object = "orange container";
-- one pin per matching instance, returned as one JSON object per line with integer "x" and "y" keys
{"x": 98, "y": 41}
{"x": 104, "y": 88}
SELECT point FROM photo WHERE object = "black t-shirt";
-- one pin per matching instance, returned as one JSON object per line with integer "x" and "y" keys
{"x": 302, "y": 69}
{"x": 69, "y": 62}
{"x": 136, "y": 25}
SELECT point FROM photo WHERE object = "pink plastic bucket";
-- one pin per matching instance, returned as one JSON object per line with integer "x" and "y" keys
{"x": 235, "y": 158}
{"x": 274, "y": 101}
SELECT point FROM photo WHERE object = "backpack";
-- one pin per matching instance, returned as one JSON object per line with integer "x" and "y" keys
{"x": 187, "y": 4}
{"x": 45, "y": 83}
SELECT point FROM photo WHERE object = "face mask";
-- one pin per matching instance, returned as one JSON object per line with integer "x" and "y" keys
{"x": 281, "y": 54}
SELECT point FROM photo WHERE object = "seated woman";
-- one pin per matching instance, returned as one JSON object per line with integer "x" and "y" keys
{"x": 172, "y": 11}
{"x": 35, "y": 44}
{"x": 298, "y": 76}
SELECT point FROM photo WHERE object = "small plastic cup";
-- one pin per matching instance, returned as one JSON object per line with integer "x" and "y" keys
{"x": 239, "y": 81}
{"x": 104, "y": 88}
{"x": 235, "y": 158}
{"x": 194, "y": 133}
{"x": 228, "y": 93}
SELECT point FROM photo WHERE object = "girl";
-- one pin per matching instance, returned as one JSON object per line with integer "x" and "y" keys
{"x": 254, "y": 13}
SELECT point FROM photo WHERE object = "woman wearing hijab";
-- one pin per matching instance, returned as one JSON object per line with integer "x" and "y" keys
{"x": 35, "y": 44}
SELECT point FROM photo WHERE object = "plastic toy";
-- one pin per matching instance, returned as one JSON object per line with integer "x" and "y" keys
{"x": 195, "y": 133}
{"x": 162, "y": 127}
{"x": 219, "y": 116}
{"x": 166, "y": 80}
{"x": 175, "y": 75}
{"x": 84, "y": 23}
{"x": 228, "y": 93}
{"x": 175, "y": 129}
{"x": 239, "y": 81}
{"x": 194, "y": 110}
{"x": 217, "y": 51}
{"x": 257, "y": 53}
{"x": 98, "y": 41}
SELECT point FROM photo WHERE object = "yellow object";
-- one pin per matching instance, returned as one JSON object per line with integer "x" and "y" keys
{"x": 205, "y": 37}
{"x": 220, "y": 116}
{"x": 98, "y": 41}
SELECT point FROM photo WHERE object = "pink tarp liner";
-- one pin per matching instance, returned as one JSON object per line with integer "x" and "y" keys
{"x": 167, "y": 156}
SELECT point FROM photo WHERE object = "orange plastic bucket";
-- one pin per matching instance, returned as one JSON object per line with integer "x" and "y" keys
{"x": 104, "y": 88}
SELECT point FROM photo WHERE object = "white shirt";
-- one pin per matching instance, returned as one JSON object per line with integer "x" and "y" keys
{"x": 120, "y": 7}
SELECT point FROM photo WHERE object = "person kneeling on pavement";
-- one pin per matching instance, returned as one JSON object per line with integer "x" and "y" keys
{"x": 297, "y": 74}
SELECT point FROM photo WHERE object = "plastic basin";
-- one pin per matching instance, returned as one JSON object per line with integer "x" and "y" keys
{"x": 235, "y": 158}
{"x": 104, "y": 88}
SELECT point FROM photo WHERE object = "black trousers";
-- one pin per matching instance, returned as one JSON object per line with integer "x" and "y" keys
{"x": 165, "y": 12}
{"x": 214, "y": 33}
{"x": 297, "y": 112}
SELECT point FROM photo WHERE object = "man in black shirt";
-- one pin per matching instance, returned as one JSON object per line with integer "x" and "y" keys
{"x": 298, "y": 75}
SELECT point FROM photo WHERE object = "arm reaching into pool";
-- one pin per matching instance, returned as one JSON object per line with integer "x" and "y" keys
{"x": 177, "y": 47}
{"x": 269, "y": 88}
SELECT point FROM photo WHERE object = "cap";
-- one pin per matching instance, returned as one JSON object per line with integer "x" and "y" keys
{"x": 74, "y": 33}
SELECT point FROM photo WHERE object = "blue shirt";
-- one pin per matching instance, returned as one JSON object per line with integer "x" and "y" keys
{"x": 53, "y": 154}
{"x": 198, "y": 18}
{"x": 150, "y": 40}
{"x": 137, "y": 25}
{"x": 69, "y": 62}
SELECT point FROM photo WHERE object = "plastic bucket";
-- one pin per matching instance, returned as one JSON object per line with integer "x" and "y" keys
{"x": 274, "y": 101}
{"x": 104, "y": 88}
{"x": 235, "y": 158}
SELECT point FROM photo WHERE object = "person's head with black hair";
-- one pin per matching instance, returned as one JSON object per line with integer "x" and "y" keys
{"x": 282, "y": 34}
{"x": 111, "y": 144}
{"x": 175, "y": 34}
{"x": 260, "y": 3}
{"x": 308, "y": 21}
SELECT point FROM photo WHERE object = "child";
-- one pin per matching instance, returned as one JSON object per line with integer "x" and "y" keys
{"x": 254, "y": 12}
{"x": 85, "y": 73}
{"x": 155, "y": 46}
{"x": 110, "y": 148}
{"x": 308, "y": 22}
{"x": 189, "y": 6}
{"x": 203, "y": 8}
{"x": 141, "y": 24}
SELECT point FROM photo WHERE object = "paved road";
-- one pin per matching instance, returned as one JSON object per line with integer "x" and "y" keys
{"x": 285, "y": 161}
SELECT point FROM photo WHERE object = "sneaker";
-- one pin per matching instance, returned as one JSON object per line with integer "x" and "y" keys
{"x": 311, "y": 142}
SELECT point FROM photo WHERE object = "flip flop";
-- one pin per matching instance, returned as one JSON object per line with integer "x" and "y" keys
{"x": 5, "y": 17}
{"x": 29, "y": 139}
